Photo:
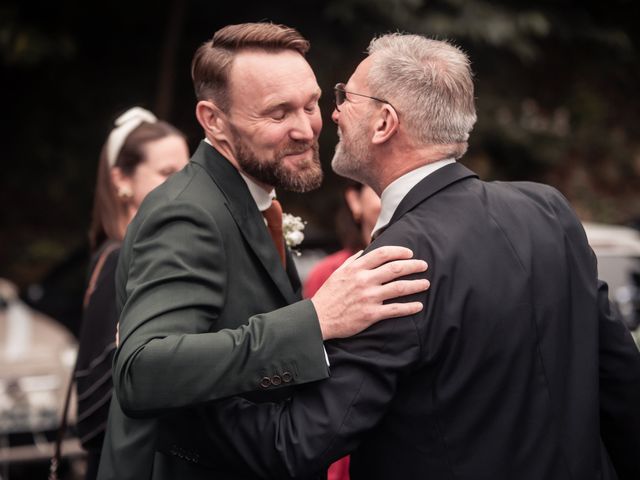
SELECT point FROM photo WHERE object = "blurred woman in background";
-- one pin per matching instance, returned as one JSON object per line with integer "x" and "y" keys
{"x": 140, "y": 153}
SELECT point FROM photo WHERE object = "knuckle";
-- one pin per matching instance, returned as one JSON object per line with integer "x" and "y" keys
{"x": 383, "y": 254}
{"x": 349, "y": 269}
{"x": 400, "y": 288}
{"x": 360, "y": 279}
{"x": 367, "y": 298}
{"x": 368, "y": 314}
{"x": 394, "y": 267}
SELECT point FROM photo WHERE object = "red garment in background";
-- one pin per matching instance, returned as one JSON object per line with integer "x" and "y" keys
{"x": 322, "y": 270}
{"x": 339, "y": 470}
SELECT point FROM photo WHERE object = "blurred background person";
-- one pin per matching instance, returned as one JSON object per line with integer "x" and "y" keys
{"x": 355, "y": 220}
{"x": 140, "y": 153}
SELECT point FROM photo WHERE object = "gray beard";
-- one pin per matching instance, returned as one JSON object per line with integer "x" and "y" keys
{"x": 351, "y": 158}
{"x": 346, "y": 164}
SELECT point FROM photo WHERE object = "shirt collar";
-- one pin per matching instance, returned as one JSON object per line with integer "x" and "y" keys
{"x": 396, "y": 191}
{"x": 260, "y": 195}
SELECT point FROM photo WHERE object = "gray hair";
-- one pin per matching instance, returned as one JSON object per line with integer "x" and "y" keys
{"x": 429, "y": 82}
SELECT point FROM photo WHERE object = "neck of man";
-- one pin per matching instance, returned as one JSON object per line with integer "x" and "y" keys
{"x": 397, "y": 160}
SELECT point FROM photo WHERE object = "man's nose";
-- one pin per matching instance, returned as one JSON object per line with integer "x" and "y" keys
{"x": 334, "y": 115}
{"x": 303, "y": 129}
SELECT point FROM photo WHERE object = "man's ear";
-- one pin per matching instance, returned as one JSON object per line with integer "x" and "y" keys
{"x": 386, "y": 125}
{"x": 212, "y": 119}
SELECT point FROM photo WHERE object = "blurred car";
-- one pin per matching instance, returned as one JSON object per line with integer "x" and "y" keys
{"x": 618, "y": 251}
{"x": 37, "y": 355}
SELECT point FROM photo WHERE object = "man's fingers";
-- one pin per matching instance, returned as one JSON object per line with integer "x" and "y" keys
{"x": 352, "y": 297}
{"x": 382, "y": 255}
{"x": 399, "y": 268}
{"x": 393, "y": 310}
{"x": 401, "y": 288}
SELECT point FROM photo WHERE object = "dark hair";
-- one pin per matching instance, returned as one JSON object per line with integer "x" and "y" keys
{"x": 108, "y": 220}
{"x": 212, "y": 61}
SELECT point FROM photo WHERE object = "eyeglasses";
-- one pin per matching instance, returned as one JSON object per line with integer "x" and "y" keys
{"x": 341, "y": 96}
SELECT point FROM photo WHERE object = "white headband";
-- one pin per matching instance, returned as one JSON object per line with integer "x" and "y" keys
{"x": 125, "y": 124}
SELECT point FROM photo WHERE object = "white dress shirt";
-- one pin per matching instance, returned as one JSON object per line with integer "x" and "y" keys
{"x": 262, "y": 198}
{"x": 396, "y": 191}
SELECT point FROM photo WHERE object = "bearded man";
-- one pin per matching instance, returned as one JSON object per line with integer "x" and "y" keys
{"x": 209, "y": 295}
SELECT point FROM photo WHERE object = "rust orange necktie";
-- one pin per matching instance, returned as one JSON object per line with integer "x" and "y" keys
{"x": 273, "y": 216}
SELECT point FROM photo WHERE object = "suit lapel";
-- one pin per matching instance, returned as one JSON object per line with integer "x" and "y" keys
{"x": 246, "y": 215}
{"x": 430, "y": 185}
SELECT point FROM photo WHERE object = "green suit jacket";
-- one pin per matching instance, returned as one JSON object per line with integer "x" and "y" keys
{"x": 207, "y": 311}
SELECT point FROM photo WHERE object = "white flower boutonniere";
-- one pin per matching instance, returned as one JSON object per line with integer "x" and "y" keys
{"x": 292, "y": 228}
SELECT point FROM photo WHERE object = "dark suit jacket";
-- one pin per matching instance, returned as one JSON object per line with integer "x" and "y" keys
{"x": 515, "y": 369}
{"x": 197, "y": 263}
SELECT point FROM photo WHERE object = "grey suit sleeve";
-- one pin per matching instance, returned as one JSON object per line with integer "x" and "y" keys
{"x": 619, "y": 390}
{"x": 176, "y": 287}
{"x": 324, "y": 421}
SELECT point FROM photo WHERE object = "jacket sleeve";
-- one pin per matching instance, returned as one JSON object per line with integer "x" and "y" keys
{"x": 619, "y": 390}
{"x": 322, "y": 422}
{"x": 176, "y": 286}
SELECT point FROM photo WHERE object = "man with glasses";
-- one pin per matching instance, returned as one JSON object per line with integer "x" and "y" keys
{"x": 515, "y": 369}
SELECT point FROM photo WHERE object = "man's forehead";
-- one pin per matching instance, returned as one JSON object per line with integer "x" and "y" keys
{"x": 359, "y": 77}
{"x": 262, "y": 66}
{"x": 259, "y": 74}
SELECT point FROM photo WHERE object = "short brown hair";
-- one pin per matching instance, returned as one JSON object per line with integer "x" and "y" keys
{"x": 212, "y": 61}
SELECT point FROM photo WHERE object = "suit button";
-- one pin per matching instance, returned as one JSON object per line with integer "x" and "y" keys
{"x": 265, "y": 382}
{"x": 276, "y": 380}
{"x": 287, "y": 377}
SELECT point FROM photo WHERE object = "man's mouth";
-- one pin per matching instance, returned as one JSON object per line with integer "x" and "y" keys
{"x": 297, "y": 151}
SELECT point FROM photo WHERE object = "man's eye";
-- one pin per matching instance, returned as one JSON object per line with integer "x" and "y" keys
{"x": 311, "y": 108}
{"x": 277, "y": 115}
